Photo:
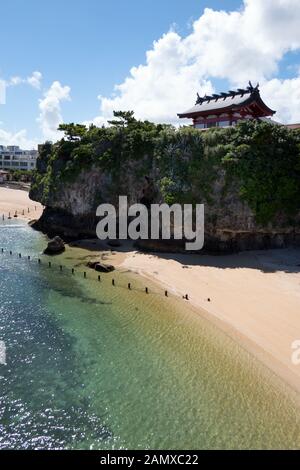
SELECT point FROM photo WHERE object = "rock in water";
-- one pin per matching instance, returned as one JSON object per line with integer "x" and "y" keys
{"x": 104, "y": 268}
{"x": 55, "y": 246}
{"x": 100, "y": 267}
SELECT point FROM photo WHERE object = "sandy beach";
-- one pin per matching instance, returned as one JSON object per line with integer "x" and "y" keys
{"x": 12, "y": 200}
{"x": 253, "y": 296}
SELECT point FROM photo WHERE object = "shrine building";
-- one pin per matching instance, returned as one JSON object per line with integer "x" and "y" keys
{"x": 226, "y": 109}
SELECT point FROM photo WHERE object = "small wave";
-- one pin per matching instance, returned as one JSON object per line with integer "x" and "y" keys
{"x": 12, "y": 226}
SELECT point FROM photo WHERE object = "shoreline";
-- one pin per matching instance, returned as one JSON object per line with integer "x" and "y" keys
{"x": 288, "y": 377}
{"x": 12, "y": 200}
{"x": 261, "y": 328}
{"x": 254, "y": 296}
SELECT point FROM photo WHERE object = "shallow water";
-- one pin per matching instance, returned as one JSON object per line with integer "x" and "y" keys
{"x": 95, "y": 366}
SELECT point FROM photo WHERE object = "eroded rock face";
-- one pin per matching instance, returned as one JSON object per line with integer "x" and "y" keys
{"x": 230, "y": 223}
{"x": 55, "y": 246}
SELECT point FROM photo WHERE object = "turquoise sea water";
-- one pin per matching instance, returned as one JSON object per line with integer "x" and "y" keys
{"x": 92, "y": 366}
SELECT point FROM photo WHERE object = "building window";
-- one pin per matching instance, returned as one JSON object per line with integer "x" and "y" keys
{"x": 224, "y": 123}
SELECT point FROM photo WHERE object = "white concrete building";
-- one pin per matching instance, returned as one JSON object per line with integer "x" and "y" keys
{"x": 14, "y": 158}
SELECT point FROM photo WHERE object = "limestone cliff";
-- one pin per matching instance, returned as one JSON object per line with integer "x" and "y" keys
{"x": 180, "y": 167}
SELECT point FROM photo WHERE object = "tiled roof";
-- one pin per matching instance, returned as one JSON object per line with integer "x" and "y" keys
{"x": 219, "y": 103}
{"x": 230, "y": 99}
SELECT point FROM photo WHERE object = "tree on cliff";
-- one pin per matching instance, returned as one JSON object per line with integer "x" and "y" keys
{"x": 124, "y": 118}
{"x": 73, "y": 132}
{"x": 257, "y": 162}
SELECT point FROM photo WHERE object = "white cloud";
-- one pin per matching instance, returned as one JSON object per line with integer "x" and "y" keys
{"x": 160, "y": 89}
{"x": 50, "y": 110}
{"x": 18, "y": 138}
{"x": 236, "y": 46}
{"x": 34, "y": 80}
{"x": 283, "y": 96}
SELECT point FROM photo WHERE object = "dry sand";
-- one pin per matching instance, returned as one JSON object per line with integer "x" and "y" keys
{"x": 12, "y": 200}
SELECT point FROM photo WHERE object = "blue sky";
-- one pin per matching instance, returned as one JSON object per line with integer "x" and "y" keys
{"x": 90, "y": 46}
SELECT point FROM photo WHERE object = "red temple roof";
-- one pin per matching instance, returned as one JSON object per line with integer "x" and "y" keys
{"x": 248, "y": 99}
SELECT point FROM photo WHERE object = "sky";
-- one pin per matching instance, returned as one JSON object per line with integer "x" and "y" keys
{"x": 78, "y": 61}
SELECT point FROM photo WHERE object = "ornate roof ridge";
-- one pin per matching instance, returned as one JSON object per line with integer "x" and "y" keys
{"x": 230, "y": 94}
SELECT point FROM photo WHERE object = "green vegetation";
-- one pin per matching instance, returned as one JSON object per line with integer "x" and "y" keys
{"x": 258, "y": 160}
{"x": 22, "y": 175}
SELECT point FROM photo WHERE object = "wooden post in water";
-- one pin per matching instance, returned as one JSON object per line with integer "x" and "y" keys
{"x": 113, "y": 282}
{"x": 84, "y": 275}
{"x": 166, "y": 293}
{"x": 73, "y": 270}
{"x": 146, "y": 290}
{"x": 61, "y": 268}
{"x": 129, "y": 286}
{"x": 99, "y": 278}
{"x": 49, "y": 264}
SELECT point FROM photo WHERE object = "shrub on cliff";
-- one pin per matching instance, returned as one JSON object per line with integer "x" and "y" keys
{"x": 260, "y": 159}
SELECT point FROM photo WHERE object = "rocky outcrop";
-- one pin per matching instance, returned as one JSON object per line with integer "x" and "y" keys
{"x": 100, "y": 267}
{"x": 230, "y": 224}
{"x": 55, "y": 246}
